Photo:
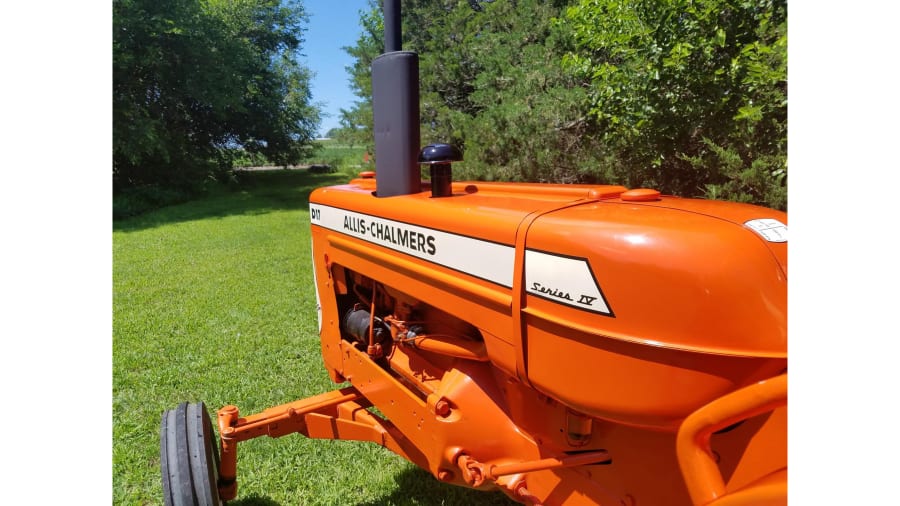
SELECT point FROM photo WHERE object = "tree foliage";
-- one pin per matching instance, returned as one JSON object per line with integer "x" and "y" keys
{"x": 691, "y": 95}
{"x": 687, "y": 96}
{"x": 492, "y": 82}
{"x": 195, "y": 80}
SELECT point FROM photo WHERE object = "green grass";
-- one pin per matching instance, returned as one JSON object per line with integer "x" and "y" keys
{"x": 213, "y": 301}
{"x": 345, "y": 159}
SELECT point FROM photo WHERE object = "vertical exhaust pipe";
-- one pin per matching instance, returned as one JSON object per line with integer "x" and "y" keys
{"x": 395, "y": 107}
{"x": 393, "y": 35}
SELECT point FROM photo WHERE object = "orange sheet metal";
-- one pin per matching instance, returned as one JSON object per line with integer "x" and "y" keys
{"x": 698, "y": 464}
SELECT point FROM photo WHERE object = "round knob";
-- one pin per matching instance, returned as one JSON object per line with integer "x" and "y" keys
{"x": 439, "y": 153}
{"x": 439, "y": 157}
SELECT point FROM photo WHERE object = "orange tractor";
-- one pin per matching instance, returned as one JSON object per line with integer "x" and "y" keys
{"x": 565, "y": 344}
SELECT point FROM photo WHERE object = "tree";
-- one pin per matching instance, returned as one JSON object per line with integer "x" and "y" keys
{"x": 193, "y": 80}
{"x": 491, "y": 82}
{"x": 691, "y": 95}
{"x": 687, "y": 96}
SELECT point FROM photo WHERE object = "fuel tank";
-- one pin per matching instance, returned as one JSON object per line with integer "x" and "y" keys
{"x": 622, "y": 304}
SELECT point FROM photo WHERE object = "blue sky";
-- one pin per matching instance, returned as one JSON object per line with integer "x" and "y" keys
{"x": 333, "y": 24}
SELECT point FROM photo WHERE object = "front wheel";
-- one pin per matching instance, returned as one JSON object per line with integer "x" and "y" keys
{"x": 189, "y": 457}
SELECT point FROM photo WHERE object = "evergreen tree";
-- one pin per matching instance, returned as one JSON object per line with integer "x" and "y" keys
{"x": 689, "y": 97}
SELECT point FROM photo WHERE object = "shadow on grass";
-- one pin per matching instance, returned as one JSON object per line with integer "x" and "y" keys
{"x": 417, "y": 487}
{"x": 254, "y": 500}
{"x": 256, "y": 192}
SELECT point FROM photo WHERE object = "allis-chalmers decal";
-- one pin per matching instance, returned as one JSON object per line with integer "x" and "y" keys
{"x": 483, "y": 259}
{"x": 398, "y": 236}
{"x": 558, "y": 278}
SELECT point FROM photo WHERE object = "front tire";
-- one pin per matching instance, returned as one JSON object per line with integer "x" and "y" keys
{"x": 189, "y": 457}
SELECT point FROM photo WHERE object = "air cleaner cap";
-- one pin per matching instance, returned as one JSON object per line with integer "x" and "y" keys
{"x": 440, "y": 156}
{"x": 439, "y": 153}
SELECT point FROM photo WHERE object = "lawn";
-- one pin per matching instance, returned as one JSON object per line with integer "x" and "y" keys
{"x": 213, "y": 301}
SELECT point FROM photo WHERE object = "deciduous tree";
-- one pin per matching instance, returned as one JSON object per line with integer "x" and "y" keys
{"x": 691, "y": 95}
{"x": 194, "y": 79}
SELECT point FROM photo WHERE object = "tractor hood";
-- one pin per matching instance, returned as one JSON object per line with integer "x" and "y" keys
{"x": 687, "y": 274}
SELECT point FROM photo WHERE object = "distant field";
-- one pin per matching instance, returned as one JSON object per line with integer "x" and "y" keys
{"x": 343, "y": 158}
{"x": 213, "y": 301}
{"x": 345, "y": 155}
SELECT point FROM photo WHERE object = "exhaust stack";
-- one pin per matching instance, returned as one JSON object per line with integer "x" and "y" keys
{"x": 395, "y": 107}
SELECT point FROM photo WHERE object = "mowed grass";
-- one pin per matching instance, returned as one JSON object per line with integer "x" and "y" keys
{"x": 213, "y": 301}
